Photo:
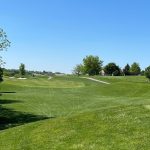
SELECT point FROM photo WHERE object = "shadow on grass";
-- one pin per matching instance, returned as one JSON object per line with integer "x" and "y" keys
{"x": 10, "y": 118}
{"x": 9, "y": 101}
{"x": 7, "y": 92}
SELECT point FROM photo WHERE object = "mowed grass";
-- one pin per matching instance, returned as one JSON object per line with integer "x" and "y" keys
{"x": 73, "y": 113}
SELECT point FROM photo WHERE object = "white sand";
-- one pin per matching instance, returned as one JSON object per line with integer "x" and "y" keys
{"x": 22, "y": 78}
{"x": 50, "y": 78}
{"x": 11, "y": 77}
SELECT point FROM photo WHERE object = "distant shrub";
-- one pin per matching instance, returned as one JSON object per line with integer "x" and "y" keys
{"x": 17, "y": 75}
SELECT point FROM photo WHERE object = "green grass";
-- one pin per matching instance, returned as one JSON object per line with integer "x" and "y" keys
{"x": 73, "y": 113}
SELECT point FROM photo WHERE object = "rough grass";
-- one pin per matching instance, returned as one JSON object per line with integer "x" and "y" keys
{"x": 73, "y": 113}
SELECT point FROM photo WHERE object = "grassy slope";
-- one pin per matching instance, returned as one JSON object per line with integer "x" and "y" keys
{"x": 81, "y": 114}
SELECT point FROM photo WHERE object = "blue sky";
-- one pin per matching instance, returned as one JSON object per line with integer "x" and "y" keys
{"x": 55, "y": 35}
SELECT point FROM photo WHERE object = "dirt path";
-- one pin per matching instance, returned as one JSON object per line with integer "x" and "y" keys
{"x": 95, "y": 80}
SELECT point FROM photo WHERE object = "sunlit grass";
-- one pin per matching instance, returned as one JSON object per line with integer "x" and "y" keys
{"x": 74, "y": 113}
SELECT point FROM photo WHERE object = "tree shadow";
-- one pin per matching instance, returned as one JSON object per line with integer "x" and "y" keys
{"x": 10, "y": 118}
{"x": 7, "y": 92}
{"x": 7, "y": 101}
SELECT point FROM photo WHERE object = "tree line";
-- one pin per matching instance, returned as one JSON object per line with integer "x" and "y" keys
{"x": 93, "y": 65}
{"x": 22, "y": 72}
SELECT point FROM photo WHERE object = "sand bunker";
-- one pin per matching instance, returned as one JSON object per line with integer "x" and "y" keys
{"x": 22, "y": 78}
{"x": 50, "y": 78}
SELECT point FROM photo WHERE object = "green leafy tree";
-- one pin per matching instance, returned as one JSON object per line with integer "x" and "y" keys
{"x": 147, "y": 73}
{"x": 126, "y": 70}
{"x": 92, "y": 65}
{"x": 78, "y": 70}
{"x": 4, "y": 43}
{"x": 112, "y": 69}
{"x": 135, "y": 69}
{"x": 22, "y": 69}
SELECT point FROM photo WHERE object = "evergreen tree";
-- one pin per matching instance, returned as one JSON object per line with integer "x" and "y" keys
{"x": 126, "y": 70}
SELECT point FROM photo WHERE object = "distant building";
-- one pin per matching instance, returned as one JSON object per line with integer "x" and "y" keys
{"x": 102, "y": 73}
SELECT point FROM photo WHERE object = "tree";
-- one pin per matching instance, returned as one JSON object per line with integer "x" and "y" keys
{"x": 112, "y": 69}
{"x": 147, "y": 73}
{"x": 126, "y": 70}
{"x": 22, "y": 69}
{"x": 92, "y": 65}
{"x": 135, "y": 69}
{"x": 4, "y": 43}
{"x": 78, "y": 70}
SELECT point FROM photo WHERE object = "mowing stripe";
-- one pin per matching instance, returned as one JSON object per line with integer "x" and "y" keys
{"x": 95, "y": 80}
